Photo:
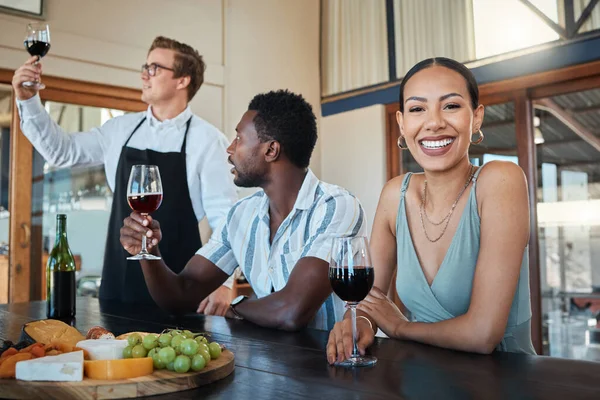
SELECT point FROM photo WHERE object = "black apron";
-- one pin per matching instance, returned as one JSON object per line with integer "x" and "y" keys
{"x": 123, "y": 280}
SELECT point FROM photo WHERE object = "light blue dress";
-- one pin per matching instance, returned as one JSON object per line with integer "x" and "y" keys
{"x": 450, "y": 292}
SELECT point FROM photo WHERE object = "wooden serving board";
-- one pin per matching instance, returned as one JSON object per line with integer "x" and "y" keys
{"x": 160, "y": 382}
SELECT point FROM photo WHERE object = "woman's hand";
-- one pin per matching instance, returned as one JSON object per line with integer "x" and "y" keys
{"x": 340, "y": 347}
{"x": 384, "y": 312}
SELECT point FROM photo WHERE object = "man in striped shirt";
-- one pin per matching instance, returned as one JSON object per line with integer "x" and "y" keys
{"x": 280, "y": 237}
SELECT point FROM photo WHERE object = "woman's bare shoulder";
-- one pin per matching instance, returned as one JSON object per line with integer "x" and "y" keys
{"x": 498, "y": 176}
{"x": 391, "y": 190}
{"x": 497, "y": 172}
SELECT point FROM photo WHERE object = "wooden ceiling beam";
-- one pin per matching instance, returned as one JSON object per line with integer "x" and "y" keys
{"x": 569, "y": 120}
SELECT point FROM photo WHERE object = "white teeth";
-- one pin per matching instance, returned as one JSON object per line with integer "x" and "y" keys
{"x": 436, "y": 144}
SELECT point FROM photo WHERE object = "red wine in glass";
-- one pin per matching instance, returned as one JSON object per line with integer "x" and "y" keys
{"x": 36, "y": 47}
{"x": 352, "y": 284}
{"x": 351, "y": 276}
{"x": 145, "y": 203}
{"x": 144, "y": 195}
{"x": 37, "y": 43}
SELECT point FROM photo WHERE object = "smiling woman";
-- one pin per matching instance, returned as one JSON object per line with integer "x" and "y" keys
{"x": 442, "y": 121}
{"x": 457, "y": 233}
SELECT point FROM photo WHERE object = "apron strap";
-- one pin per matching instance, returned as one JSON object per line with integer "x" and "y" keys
{"x": 187, "y": 129}
{"x": 136, "y": 128}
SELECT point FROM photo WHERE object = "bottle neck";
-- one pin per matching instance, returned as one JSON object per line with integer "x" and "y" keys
{"x": 61, "y": 232}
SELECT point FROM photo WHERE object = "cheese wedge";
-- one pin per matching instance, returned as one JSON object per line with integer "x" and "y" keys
{"x": 61, "y": 368}
{"x": 103, "y": 349}
{"x": 119, "y": 369}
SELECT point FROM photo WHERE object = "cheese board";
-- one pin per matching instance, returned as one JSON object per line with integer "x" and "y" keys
{"x": 55, "y": 361}
{"x": 159, "y": 382}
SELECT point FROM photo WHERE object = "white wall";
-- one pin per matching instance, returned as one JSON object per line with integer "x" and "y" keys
{"x": 353, "y": 154}
{"x": 271, "y": 44}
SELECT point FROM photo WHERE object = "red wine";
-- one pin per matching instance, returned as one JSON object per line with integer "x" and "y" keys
{"x": 145, "y": 203}
{"x": 37, "y": 47}
{"x": 352, "y": 285}
{"x": 61, "y": 294}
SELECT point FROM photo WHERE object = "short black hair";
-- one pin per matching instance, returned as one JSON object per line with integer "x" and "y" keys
{"x": 287, "y": 118}
{"x": 447, "y": 63}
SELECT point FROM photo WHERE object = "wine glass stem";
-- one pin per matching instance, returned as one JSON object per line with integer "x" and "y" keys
{"x": 144, "y": 249}
{"x": 354, "y": 332}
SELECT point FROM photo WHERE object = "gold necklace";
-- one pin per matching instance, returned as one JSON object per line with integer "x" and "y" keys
{"x": 423, "y": 210}
{"x": 424, "y": 199}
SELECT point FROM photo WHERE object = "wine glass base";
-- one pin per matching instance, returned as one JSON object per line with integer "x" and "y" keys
{"x": 357, "y": 361}
{"x": 36, "y": 85}
{"x": 144, "y": 256}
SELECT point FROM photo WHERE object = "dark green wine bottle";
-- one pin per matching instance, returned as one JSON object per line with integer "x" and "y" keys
{"x": 60, "y": 275}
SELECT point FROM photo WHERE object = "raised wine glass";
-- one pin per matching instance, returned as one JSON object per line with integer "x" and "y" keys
{"x": 144, "y": 195}
{"x": 351, "y": 276}
{"x": 37, "y": 43}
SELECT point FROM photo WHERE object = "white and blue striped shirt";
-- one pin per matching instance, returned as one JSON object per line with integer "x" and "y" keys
{"x": 322, "y": 211}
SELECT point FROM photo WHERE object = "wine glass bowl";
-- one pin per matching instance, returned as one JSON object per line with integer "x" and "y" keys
{"x": 351, "y": 284}
{"x": 351, "y": 275}
{"x": 144, "y": 195}
{"x": 37, "y": 43}
{"x": 144, "y": 203}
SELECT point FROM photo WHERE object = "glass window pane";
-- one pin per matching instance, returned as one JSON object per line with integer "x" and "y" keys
{"x": 467, "y": 30}
{"x": 81, "y": 193}
{"x": 508, "y": 25}
{"x": 6, "y": 102}
{"x": 593, "y": 21}
{"x": 500, "y": 142}
{"x": 550, "y": 8}
{"x": 569, "y": 223}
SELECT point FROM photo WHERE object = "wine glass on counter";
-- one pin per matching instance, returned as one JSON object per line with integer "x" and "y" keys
{"x": 352, "y": 276}
{"x": 144, "y": 195}
{"x": 37, "y": 43}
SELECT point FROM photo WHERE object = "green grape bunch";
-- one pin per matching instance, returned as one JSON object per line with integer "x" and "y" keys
{"x": 176, "y": 350}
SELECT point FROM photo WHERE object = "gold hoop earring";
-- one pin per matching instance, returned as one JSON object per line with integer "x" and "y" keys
{"x": 479, "y": 139}
{"x": 399, "y": 143}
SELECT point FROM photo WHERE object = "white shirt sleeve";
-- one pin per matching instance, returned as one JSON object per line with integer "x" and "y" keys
{"x": 218, "y": 250}
{"x": 59, "y": 148}
{"x": 216, "y": 182}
